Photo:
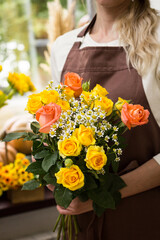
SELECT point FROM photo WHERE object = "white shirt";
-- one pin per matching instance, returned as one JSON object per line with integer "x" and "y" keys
{"x": 62, "y": 46}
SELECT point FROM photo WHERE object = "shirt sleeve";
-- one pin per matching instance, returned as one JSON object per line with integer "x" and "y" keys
{"x": 157, "y": 158}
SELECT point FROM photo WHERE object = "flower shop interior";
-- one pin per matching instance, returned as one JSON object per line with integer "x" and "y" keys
{"x": 27, "y": 31}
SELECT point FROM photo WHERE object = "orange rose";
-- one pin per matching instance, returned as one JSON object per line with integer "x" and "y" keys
{"x": 134, "y": 115}
{"x": 74, "y": 81}
{"x": 47, "y": 115}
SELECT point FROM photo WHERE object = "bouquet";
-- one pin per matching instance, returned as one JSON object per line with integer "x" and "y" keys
{"x": 77, "y": 144}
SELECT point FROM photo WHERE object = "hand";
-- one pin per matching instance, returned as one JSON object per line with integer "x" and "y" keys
{"x": 76, "y": 207}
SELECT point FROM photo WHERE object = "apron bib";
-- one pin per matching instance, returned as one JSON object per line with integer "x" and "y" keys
{"x": 136, "y": 217}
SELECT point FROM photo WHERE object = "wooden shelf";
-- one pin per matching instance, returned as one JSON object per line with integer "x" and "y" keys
{"x": 8, "y": 209}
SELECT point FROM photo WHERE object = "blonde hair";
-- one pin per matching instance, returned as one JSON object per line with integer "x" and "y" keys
{"x": 138, "y": 31}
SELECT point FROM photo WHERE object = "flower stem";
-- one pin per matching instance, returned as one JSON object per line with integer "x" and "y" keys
{"x": 59, "y": 230}
{"x": 75, "y": 227}
{"x": 58, "y": 219}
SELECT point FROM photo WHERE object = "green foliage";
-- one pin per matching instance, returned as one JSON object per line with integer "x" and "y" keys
{"x": 49, "y": 160}
{"x": 31, "y": 185}
{"x": 11, "y": 136}
{"x": 63, "y": 196}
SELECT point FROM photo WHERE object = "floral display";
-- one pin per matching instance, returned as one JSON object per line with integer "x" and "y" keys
{"x": 13, "y": 175}
{"x": 77, "y": 143}
{"x": 19, "y": 83}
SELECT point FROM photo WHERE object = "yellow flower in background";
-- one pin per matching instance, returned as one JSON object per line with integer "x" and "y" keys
{"x": 14, "y": 174}
{"x": 49, "y": 96}
{"x": 1, "y": 192}
{"x": 105, "y": 104}
{"x": 95, "y": 158}
{"x": 71, "y": 178}
{"x": 25, "y": 162}
{"x": 3, "y": 99}
{"x": 20, "y": 156}
{"x": 20, "y": 82}
{"x": 68, "y": 92}
{"x": 64, "y": 105}
{"x": 119, "y": 104}
{"x": 85, "y": 135}
{"x": 34, "y": 103}
{"x": 69, "y": 147}
{"x": 99, "y": 90}
{"x": 1, "y": 68}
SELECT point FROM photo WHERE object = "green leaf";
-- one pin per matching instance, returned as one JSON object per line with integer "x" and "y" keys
{"x": 37, "y": 146}
{"x": 41, "y": 154}
{"x": 90, "y": 183}
{"x": 98, "y": 210}
{"x": 16, "y": 135}
{"x": 83, "y": 196}
{"x": 102, "y": 198}
{"x": 49, "y": 160}
{"x": 35, "y": 127}
{"x": 115, "y": 166}
{"x": 50, "y": 179}
{"x": 36, "y": 168}
{"x": 63, "y": 196}
{"x": 30, "y": 136}
{"x": 31, "y": 185}
{"x": 117, "y": 183}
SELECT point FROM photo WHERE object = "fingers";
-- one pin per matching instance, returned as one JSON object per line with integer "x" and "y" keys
{"x": 50, "y": 187}
{"x": 64, "y": 211}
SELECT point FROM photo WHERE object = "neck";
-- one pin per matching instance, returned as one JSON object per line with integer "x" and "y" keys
{"x": 106, "y": 16}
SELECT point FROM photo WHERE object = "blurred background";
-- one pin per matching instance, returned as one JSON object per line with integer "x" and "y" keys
{"x": 27, "y": 30}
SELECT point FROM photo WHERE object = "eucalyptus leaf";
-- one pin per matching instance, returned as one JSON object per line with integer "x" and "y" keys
{"x": 31, "y": 185}
{"x": 49, "y": 160}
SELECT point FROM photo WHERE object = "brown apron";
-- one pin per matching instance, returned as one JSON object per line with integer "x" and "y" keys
{"x": 136, "y": 217}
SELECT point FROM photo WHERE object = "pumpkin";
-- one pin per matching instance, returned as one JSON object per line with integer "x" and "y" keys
{"x": 19, "y": 124}
{"x": 8, "y": 157}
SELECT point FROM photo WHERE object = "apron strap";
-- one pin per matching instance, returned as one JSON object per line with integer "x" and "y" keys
{"x": 85, "y": 30}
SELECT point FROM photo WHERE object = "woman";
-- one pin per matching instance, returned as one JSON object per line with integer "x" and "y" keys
{"x": 120, "y": 49}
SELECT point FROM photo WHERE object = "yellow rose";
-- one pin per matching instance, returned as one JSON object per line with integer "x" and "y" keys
{"x": 1, "y": 68}
{"x": 119, "y": 104}
{"x": 69, "y": 147}
{"x": 50, "y": 96}
{"x": 63, "y": 104}
{"x": 95, "y": 158}
{"x": 34, "y": 103}
{"x": 105, "y": 103}
{"x": 88, "y": 99}
{"x": 68, "y": 92}
{"x": 85, "y": 135}
{"x": 99, "y": 90}
{"x": 71, "y": 178}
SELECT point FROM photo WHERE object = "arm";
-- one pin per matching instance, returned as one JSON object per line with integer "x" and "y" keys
{"x": 139, "y": 180}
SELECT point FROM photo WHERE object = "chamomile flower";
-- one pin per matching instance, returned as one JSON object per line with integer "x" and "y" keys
{"x": 114, "y": 137}
{"x": 100, "y": 134}
{"x": 117, "y": 159}
{"x": 107, "y": 138}
{"x": 119, "y": 151}
{"x": 115, "y": 128}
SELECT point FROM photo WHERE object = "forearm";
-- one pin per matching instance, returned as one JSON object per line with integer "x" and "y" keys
{"x": 141, "y": 179}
